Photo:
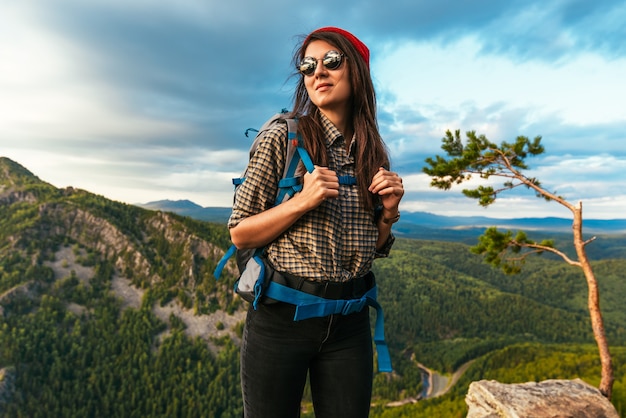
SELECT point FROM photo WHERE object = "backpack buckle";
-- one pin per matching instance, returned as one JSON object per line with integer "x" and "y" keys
{"x": 353, "y": 305}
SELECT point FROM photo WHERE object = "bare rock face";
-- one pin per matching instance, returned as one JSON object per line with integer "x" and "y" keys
{"x": 547, "y": 399}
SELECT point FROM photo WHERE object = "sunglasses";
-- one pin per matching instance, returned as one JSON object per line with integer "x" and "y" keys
{"x": 331, "y": 60}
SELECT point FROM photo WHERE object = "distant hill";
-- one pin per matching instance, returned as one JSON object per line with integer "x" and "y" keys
{"x": 189, "y": 208}
{"x": 421, "y": 224}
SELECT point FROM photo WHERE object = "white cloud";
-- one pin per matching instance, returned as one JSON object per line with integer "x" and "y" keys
{"x": 582, "y": 177}
{"x": 586, "y": 87}
{"x": 50, "y": 93}
{"x": 455, "y": 204}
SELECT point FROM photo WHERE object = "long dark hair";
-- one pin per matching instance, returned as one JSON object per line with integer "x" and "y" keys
{"x": 371, "y": 152}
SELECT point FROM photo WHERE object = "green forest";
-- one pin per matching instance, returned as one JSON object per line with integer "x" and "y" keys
{"x": 70, "y": 346}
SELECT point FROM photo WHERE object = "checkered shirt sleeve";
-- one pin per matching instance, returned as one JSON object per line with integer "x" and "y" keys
{"x": 258, "y": 192}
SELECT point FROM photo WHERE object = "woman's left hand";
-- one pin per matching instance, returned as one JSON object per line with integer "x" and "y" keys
{"x": 388, "y": 185}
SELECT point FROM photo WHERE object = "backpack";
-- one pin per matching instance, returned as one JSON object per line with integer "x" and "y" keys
{"x": 254, "y": 278}
{"x": 255, "y": 281}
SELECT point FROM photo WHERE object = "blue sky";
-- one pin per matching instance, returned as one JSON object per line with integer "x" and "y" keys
{"x": 143, "y": 100}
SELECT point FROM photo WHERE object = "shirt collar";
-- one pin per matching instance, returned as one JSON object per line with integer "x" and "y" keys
{"x": 331, "y": 133}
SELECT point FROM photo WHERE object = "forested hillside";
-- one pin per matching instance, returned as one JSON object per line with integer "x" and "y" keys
{"x": 110, "y": 310}
{"x": 72, "y": 343}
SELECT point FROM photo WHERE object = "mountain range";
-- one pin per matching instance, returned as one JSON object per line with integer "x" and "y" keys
{"x": 421, "y": 224}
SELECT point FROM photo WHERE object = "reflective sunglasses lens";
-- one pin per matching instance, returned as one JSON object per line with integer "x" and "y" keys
{"x": 308, "y": 65}
{"x": 332, "y": 60}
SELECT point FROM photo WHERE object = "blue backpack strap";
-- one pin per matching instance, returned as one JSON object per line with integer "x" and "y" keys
{"x": 384, "y": 358}
{"x": 222, "y": 263}
{"x": 304, "y": 155}
{"x": 347, "y": 180}
{"x": 297, "y": 143}
{"x": 290, "y": 184}
{"x": 310, "y": 306}
{"x": 258, "y": 285}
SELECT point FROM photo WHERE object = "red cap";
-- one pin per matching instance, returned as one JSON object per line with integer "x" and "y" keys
{"x": 360, "y": 46}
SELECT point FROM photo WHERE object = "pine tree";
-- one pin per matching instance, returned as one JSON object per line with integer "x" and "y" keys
{"x": 483, "y": 158}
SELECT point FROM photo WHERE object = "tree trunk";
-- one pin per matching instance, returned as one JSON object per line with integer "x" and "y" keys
{"x": 597, "y": 323}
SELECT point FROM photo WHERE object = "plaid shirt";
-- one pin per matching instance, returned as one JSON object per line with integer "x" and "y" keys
{"x": 334, "y": 242}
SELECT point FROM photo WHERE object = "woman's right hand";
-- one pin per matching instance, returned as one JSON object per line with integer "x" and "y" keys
{"x": 318, "y": 186}
{"x": 264, "y": 227}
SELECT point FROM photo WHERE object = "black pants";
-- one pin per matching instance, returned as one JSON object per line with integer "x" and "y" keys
{"x": 277, "y": 352}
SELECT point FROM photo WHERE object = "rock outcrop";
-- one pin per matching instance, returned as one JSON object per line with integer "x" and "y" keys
{"x": 7, "y": 378}
{"x": 547, "y": 399}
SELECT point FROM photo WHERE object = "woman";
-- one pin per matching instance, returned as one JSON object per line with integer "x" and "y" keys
{"x": 327, "y": 236}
